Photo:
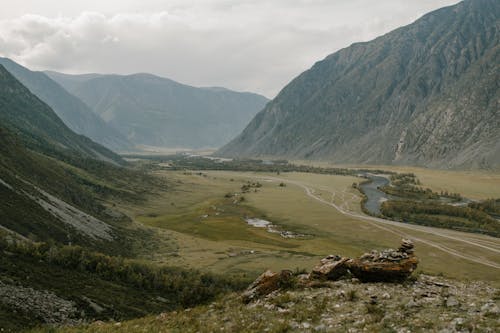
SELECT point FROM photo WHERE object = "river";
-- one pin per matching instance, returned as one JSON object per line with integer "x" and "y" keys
{"x": 375, "y": 197}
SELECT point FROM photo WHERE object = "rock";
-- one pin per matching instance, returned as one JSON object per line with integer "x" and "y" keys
{"x": 265, "y": 284}
{"x": 93, "y": 305}
{"x": 321, "y": 327}
{"x": 411, "y": 304}
{"x": 406, "y": 246}
{"x": 451, "y": 301}
{"x": 385, "y": 266}
{"x": 161, "y": 299}
{"x": 330, "y": 268}
{"x": 386, "y": 296}
{"x": 490, "y": 309}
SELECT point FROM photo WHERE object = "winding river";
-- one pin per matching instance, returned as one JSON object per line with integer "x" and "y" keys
{"x": 375, "y": 197}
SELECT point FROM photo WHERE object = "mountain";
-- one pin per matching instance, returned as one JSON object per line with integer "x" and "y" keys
{"x": 39, "y": 126}
{"x": 73, "y": 112}
{"x": 154, "y": 111}
{"x": 425, "y": 94}
{"x": 54, "y": 183}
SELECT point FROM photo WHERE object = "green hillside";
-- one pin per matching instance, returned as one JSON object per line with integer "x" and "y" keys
{"x": 73, "y": 112}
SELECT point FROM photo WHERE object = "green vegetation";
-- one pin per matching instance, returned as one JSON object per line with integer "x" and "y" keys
{"x": 490, "y": 206}
{"x": 40, "y": 128}
{"x": 72, "y": 111}
{"x": 407, "y": 185}
{"x": 88, "y": 185}
{"x": 124, "y": 288}
{"x": 441, "y": 215}
{"x": 184, "y": 162}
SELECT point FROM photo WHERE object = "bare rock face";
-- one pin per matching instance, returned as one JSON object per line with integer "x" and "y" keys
{"x": 386, "y": 265}
{"x": 265, "y": 284}
{"x": 330, "y": 268}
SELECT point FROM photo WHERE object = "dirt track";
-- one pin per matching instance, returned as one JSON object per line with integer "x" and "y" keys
{"x": 480, "y": 241}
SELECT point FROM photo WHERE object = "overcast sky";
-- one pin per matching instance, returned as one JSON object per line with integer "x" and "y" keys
{"x": 246, "y": 45}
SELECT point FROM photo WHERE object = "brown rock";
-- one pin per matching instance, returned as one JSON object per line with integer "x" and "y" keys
{"x": 385, "y": 266}
{"x": 265, "y": 284}
{"x": 330, "y": 268}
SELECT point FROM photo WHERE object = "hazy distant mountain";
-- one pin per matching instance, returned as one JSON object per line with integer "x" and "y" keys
{"x": 425, "y": 94}
{"x": 155, "y": 111}
{"x": 40, "y": 128}
{"x": 73, "y": 112}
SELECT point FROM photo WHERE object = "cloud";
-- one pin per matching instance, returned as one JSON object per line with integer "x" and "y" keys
{"x": 245, "y": 45}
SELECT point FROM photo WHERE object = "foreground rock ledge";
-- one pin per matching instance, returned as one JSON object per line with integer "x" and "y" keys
{"x": 376, "y": 266}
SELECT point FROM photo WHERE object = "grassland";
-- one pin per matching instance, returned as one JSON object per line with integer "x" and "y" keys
{"x": 210, "y": 233}
{"x": 477, "y": 184}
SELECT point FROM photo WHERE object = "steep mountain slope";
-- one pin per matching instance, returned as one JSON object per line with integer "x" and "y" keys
{"x": 54, "y": 183}
{"x": 40, "y": 127}
{"x": 425, "y": 94}
{"x": 155, "y": 111}
{"x": 73, "y": 112}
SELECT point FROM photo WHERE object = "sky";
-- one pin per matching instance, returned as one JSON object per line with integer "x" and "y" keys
{"x": 245, "y": 45}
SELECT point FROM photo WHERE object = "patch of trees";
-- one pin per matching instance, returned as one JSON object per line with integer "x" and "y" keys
{"x": 183, "y": 287}
{"x": 407, "y": 185}
{"x": 182, "y": 162}
{"x": 249, "y": 186}
{"x": 441, "y": 215}
{"x": 410, "y": 192}
{"x": 490, "y": 206}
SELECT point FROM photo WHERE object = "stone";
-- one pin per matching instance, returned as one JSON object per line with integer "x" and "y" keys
{"x": 265, "y": 284}
{"x": 330, "y": 268}
{"x": 451, "y": 301}
{"x": 490, "y": 308}
{"x": 385, "y": 266}
{"x": 411, "y": 304}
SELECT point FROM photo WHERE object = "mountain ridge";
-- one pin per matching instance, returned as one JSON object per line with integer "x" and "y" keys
{"x": 154, "y": 111}
{"x": 40, "y": 127}
{"x": 393, "y": 100}
{"x": 72, "y": 111}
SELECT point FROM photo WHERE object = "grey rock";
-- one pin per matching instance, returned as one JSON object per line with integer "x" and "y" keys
{"x": 451, "y": 301}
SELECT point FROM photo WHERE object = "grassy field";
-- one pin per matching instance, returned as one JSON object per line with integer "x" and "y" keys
{"x": 478, "y": 185}
{"x": 205, "y": 229}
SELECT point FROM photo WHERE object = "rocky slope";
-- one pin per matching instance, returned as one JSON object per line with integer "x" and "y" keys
{"x": 428, "y": 304}
{"x": 424, "y": 94}
{"x": 73, "y": 112}
{"x": 155, "y": 111}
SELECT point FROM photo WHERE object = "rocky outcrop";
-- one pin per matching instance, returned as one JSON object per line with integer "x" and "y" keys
{"x": 376, "y": 266}
{"x": 40, "y": 304}
{"x": 386, "y": 266}
{"x": 265, "y": 284}
{"x": 330, "y": 268}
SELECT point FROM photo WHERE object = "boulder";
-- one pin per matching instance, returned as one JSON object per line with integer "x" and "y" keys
{"x": 386, "y": 265}
{"x": 266, "y": 283}
{"x": 330, "y": 268}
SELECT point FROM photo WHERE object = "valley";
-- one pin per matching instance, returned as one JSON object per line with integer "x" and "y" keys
{"x": 364, "y": 196}
{"x": 211, "y": 233}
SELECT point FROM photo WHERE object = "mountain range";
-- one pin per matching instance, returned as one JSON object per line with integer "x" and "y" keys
{"x": 154, "y": 111}
{"x": 73, "y": 112}
{"x": 40, "y": 128}
{"x": 425, "y": 94}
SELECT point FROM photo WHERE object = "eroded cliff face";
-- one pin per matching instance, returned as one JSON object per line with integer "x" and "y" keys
{"x": 425, "y": 94}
